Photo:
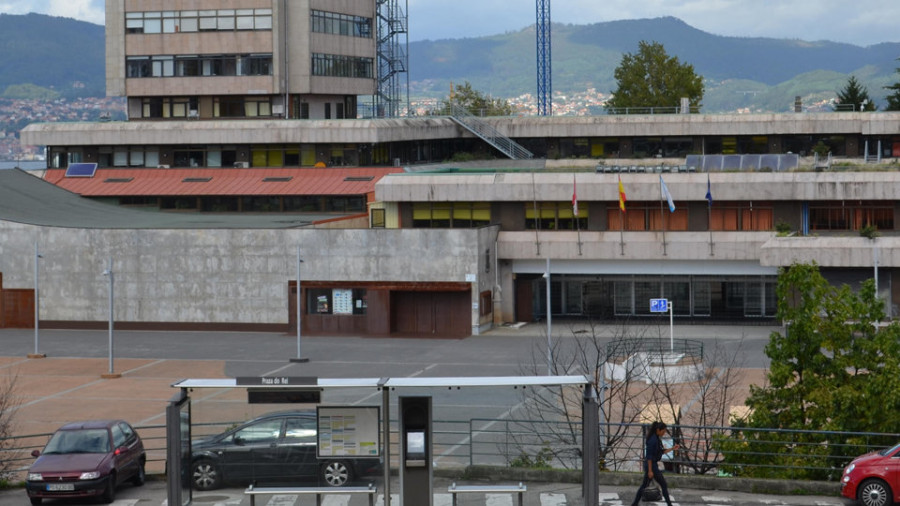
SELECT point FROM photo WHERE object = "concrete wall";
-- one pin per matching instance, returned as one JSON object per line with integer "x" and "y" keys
{"x": 221, "y": 276}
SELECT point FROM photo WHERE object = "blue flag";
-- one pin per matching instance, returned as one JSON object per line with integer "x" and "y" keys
{"x": 708, "y": 191}
{"x": 664, "y": 192}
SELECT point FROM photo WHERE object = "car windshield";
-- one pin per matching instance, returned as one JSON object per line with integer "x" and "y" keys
{"x": 888, "y": 451}
{"x": 79, "y": 441}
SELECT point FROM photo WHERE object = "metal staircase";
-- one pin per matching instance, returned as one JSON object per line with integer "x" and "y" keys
{"x": 488, "y": 133}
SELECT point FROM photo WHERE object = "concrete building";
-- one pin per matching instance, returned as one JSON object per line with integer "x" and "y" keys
{"x": 457, "y": 253}
{"x": 240, "y": 90}
{"x": 206, "y": 59}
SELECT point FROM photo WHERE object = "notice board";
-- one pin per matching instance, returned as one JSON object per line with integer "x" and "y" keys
{"x": 348, "y": 431}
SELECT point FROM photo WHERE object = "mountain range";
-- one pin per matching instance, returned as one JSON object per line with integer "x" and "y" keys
{"x": 49, "y": 55}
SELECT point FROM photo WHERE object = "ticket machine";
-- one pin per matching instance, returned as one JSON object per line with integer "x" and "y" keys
{"x": 415, "y": 451}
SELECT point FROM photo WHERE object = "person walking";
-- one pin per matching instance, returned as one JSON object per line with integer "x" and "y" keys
{"x": 650, "y": 463}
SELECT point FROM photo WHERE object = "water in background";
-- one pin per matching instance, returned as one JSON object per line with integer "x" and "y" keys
{"x": 24, "y": 164}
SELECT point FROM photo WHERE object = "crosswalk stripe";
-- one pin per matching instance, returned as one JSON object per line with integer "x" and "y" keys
{"x": 548, "y": 499}
{"x": 379, "y": 501}
{"x": 716, "y": 499}
{"x": 609, "y": 496}
{"x": 336, "y": 500}
{"x": 498, "y": 500}
{"x": 443, "y": 499}
{"x": 282, "y": 500}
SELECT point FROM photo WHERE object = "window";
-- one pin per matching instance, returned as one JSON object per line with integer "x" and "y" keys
{"x": 451, "y": 214}
{"x": 198, "y": 65}
{"x": 647, "y": 216}
{"x": 193, "y": 21}
{"x": 330, "y": 65}
{"x": 741, "y": 216}
{"x": 554, "y": 216}
{"x": 850, "y": 215}
{"x": 341, "y": 24}
{"x": 378, "y": 218}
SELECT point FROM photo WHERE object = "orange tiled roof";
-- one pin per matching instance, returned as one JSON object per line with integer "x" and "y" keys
{"x": 225, "y": 181}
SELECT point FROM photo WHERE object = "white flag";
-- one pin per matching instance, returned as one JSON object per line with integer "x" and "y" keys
{"x": 664, "y": 192}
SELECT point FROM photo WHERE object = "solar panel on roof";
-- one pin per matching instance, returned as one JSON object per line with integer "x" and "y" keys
{"x": 81, "y": 170}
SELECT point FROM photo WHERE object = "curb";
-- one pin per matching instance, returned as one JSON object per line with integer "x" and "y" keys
{"x": 695, "y": 482}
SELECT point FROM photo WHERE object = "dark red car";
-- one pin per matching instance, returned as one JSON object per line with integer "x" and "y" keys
{"x": 87, "y": 459}
{"x": 873, "y": 479}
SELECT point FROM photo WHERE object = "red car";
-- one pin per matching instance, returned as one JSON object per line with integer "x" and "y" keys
{"x": 87, "y": 459}
{"x": 873, "y": 479}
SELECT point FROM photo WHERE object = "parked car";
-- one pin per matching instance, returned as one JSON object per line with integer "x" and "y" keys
{"x": 873, "y": 479}
{"x": 87, "y": 459}
{"x": 275, "y": 448}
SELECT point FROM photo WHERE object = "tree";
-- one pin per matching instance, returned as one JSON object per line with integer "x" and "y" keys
{"x": 893, "y": 100}
{"x": 9, "y": 401}
{"x": 652, "y": 78}
{"x": 476, "y": 102}
{"x": 854, "y": 97}
{"x": 835, "y": 368}
{"x": 626, "y": 368}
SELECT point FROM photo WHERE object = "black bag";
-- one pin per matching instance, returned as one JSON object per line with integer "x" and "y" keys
{"x": 651, "y": 493}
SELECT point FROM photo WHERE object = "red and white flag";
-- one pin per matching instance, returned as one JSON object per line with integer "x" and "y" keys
{"x": 574, "y": 197}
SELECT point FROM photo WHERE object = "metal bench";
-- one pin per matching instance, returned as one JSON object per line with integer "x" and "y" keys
{"x": 455, "y": 489}
{"x": 317, "y": 491}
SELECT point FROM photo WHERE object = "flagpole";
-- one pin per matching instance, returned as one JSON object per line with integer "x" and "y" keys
{"x": 621, "y": 217}
{"x": 575, "y": 213}
{"x": 709, "y": 214}
{"x": 662, "y": 215}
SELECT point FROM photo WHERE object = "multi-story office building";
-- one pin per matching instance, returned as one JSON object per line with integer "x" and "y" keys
{"x": 258, "y": 59}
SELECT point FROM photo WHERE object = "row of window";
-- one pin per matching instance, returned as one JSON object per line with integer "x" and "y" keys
{"x": 198, "y": 65}
{"x": 341, "y": 24}
{"x": 334, "y": 65}
{"x": 253, "y": 204}
{"x": 648, "y": 216}
{"x": 198, "y": 21}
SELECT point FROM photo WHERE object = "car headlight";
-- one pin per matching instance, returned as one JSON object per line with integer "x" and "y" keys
{"x": 35, "y": 477}
{"x": 850, "y": 468}
{"x": 91, "y": 475}
{"x": 846, "y": 478}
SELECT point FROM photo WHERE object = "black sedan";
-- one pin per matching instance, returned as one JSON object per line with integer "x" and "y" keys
{"x": 274, "y": 448}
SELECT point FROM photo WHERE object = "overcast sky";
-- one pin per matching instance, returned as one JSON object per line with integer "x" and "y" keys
{"x": 861, "y": 22}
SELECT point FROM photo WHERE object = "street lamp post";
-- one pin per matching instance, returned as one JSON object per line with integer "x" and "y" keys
{"x": 109, "y": 273}
{"x": 299, "y": 357}
{"x": 37, "y": 305}
{"x": 549, "y": 324}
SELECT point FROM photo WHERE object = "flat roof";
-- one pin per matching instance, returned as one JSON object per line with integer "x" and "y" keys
{"x": 438, "y": 382}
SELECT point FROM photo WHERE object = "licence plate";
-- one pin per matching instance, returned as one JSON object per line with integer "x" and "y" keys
{"x": 60, "y": 487}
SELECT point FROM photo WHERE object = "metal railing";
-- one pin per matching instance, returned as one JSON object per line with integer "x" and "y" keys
{"x": 489, "y": 134}
{"x": 706, "y": 450}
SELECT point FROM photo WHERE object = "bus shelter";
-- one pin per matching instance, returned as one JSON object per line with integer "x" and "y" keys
{"x": 413, "y": 415}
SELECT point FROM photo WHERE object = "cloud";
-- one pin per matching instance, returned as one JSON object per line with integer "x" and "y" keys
{"x": 92, "y": 11}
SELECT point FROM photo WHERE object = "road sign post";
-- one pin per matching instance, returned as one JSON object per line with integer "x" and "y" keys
{"x": 661, "y": 306}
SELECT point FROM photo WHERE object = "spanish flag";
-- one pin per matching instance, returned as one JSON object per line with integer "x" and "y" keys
{"x": 621, "y": 195}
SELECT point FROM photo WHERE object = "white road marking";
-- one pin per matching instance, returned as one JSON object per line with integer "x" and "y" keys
{"x": 548, "y": 499}
{"x": 498, "y": 500}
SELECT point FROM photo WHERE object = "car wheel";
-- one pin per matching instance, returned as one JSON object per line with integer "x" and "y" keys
{"x": 205, "y": 475}
{"x": 336, "y": 473}
{"x": 874, "y": 493}
{"x": 109, "y": 494}
{"x": 141, "y": 475}
{"x": 35, "y": 500}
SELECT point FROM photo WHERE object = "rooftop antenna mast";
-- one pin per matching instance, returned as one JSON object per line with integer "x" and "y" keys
{"x": 544, "y": 70}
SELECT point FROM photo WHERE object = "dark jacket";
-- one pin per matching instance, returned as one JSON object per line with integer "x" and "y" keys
{"x": 654, "y": 450}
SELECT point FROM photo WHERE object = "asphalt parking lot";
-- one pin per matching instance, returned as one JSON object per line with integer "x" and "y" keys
{"x": 73, "y": 382}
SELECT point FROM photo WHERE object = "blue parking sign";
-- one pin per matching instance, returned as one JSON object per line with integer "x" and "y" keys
{"x": 659, "y": 305}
